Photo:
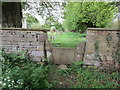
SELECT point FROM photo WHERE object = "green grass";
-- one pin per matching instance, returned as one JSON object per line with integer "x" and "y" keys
{"x": 77, "y": 77}
{"x": 68, "y": 39}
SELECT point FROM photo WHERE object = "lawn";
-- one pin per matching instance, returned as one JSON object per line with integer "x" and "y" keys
{"x": 67, "y": 39}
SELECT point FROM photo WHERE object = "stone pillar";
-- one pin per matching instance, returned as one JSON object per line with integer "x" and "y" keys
{"x": 102, "y": 48}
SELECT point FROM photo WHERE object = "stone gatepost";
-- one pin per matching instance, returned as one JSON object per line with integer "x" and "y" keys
{"x": 102, "y": 48}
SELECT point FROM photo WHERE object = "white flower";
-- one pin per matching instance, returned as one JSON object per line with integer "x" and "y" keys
{"x": 4, "y": 84}
{"x": 8, "y": 77}
{"x": 18, "y": 81}
{"x": 5, "y": 79}
{"x": 8, "y": 80}
{"x": 60, "y": 82}
{"x": 0, "y": 82}
{"x": 9, "y": 85}
{"x": 12, "y": 81}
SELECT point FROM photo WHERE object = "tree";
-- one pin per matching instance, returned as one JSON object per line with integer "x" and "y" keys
{"x": 118, "y": 4}
{"x": 81, "y": 15}
{"x": 50, "y": 12}
{"x": 11, "y": 14}
{"x": 30, "y": 20}
{"x": 51, "y": 22}
{"x": 58, "y": 26}
{"x": 48, "y": 22}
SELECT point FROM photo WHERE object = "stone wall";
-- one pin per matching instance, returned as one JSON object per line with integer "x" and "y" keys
{"x": 102, "y": 48}
{"x": 32, "y": 40}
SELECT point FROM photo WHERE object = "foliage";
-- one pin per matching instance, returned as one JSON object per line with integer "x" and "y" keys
{"x": 48, "y": 23}
{"x": 68, "y": 39}
{"x": 48, "y": 11}
{"x": 20, "y": 72}
{"x": 96, "y": 79}
{"x": 93, "y": 78}
{"x": 75, "y": 76}
{"x": 114, "y": 24}
{"x": 52, "y": 22}
{"x": 58, "y": 26}
{"x": 81, "y": 15}
{"x": 36, "y": 25}
{"x": 30, "y": 20}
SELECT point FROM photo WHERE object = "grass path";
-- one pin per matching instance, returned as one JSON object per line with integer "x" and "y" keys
{"x": 68, "y": 39}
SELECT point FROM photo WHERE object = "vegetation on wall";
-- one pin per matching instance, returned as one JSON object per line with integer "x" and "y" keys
{"x": 97, "y": 56}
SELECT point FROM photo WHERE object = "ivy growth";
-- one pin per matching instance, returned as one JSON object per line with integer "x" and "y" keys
{"x": 96, "y": 47}
{"x": 108, "y": 39}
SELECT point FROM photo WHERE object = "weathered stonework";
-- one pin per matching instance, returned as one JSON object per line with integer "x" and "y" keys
{"x": 102, "y": 48}
{"x": 62, "y": 55}
{"x": 32, "y": 40}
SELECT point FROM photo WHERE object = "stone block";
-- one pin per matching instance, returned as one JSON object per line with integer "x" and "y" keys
{"x": 37, "y": 53}
{"x": 92, "y": 62}
{"x": 40, "y": 47}
{"x": 41, "y": 38}
{"x": 36, "y": 58}
{"x": 63, "y": 55}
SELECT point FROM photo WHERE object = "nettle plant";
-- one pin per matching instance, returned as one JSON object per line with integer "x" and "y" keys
{"x": 19, "y": 71}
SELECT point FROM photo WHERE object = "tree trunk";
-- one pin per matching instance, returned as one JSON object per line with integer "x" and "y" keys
{"x": 11, "y": 14}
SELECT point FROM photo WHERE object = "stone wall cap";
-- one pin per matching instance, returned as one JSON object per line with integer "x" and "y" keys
{"x": 25, "y": 29}
{"x": 101, "y": 29}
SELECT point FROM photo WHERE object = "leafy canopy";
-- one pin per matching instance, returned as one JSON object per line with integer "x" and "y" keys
{"x": 81, "y": 15}
{"x": 49, "y": 12}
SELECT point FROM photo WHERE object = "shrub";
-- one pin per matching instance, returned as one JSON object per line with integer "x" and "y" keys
{"x": 21, "y": 72}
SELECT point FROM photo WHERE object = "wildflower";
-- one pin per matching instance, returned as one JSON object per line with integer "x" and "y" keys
{"x": 4, "y": 84}
{"x": 9, "y": 85}
{"x": 8, "y": 77}
{"x": 0, "y": 82}
{"x": 5, "y": 79}
{"x": 60, "y": 82}
{"x": 18, "y": 81}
